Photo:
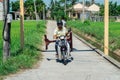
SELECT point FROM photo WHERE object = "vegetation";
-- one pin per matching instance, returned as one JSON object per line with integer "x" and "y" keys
{"x": 15, "y": 5}
{"x": 22, "y": 59}
{"x": 29, "y": 7}
{"x": 114, "y": 9}
{"x": 57, "y": 8}
{"x": 95, "y": 32}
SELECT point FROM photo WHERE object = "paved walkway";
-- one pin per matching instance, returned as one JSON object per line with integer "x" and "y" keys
{"x": 87, "y": 65}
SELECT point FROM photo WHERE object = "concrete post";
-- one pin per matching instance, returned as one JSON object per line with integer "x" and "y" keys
{"x": 106, "y": 29}
{"x": 22, "y": 23}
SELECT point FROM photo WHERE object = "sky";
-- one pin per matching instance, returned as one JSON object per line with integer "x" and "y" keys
{"x": 47, "y": 2}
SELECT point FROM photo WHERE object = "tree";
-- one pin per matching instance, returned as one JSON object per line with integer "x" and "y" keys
{"x": 56, "y": 10}
{"x": 64, "y": 2}
{"x": 73, "y": 2}
{"x": 113, "y": 11}
{"x": 29, "y": 8}
{"x": 40, "y": 6}
{"x": 51, "y": 4}
{"x": 52, "y": 7}
{"x": 59, "y": 7}
{"x": 118, "y": 9}
{"x": 15, "y": 5}
{"x": 87, "y": 3}
{"x": 92, "y": 1}
{"x": 101, "y": 10}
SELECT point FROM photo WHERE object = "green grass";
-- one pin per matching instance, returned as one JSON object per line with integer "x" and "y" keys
{"x": 92, "y": 29}
{"x": 22, "y": 59}
{"x": 96, "y": 30}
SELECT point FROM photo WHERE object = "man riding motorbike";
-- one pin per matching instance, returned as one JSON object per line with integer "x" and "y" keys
{"x": 59, "y": 31}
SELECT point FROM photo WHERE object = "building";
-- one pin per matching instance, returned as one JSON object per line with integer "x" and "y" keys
{"x": 1, "y": 9}
{"x": 76, "y": 11}
{"x": 94, "y": 12}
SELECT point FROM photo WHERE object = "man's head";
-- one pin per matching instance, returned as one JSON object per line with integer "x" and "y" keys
{"x": 59, "y": 24}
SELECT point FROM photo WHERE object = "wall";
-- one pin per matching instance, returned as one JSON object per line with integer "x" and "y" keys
{"x": 1, "y": 11}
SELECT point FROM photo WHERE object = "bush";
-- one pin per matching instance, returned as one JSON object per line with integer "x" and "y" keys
{"x": 87, "y": 22}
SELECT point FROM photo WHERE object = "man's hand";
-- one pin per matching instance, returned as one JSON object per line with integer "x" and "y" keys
{"x": 55, "y": 37}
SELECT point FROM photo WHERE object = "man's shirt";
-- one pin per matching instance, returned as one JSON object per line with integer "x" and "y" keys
{"x": 59, "y": 33}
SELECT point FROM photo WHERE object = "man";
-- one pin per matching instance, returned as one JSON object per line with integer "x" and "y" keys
{"x": 59, "y": 31}
{"x": 64, "y": 22}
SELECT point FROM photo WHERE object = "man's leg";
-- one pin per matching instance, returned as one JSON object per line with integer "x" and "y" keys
{"x": 56, "y": 49}
{"x": 68, "y": 49}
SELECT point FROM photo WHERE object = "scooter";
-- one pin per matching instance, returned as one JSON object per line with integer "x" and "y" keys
{"x": 64, "y": 50}
{"x": 64, "y": 55}
{"x": 47, "y": 41}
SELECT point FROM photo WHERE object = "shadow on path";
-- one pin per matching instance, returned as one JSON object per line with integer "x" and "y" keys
{"x": 61, "y": 61}
{"x": 49, "y": 51}
{"x": 76, "y": 50}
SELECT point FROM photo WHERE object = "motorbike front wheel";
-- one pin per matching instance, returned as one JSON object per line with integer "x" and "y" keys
{"x": 64, "y": 57}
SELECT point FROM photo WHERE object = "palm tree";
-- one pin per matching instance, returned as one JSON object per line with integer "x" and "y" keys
{"x": 15, "y": 5}
{"x": 74, "y": 1}
{"x": 29, "y": 6}
{"x": 92, "y": 1}
{"x": 40, "y": 6}
{"x": 64, "y": 2}
{"x": 87, "y": 3}
{"x": 113, "y": 9}
{"x": 51, "y": 4}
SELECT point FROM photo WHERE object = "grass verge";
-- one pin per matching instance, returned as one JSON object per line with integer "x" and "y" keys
{"x": 26, "y": 58}
{"x": 93, "y": 32}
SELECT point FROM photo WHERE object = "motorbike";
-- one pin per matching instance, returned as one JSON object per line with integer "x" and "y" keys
{"x": 63, "y": 50}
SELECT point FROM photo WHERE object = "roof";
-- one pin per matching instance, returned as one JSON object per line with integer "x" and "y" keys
{"x": 94, "y": 8}
{"x": 79, "y": 7}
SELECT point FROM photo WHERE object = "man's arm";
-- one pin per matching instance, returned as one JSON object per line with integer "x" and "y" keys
{"x": 54, "y": 36}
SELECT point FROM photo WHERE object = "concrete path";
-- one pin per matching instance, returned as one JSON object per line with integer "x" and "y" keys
{"x": 87, "y": 65}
